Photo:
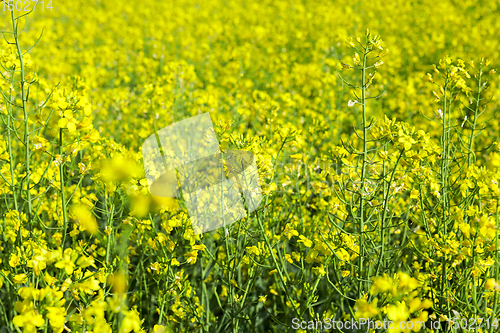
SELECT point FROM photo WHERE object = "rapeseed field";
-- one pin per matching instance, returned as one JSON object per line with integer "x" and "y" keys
{"x": 373, "y": 125}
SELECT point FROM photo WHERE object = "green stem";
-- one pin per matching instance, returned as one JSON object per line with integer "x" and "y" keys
{"x": 363, "y": 175}
{"x": 471, "y": 138}
{"x": 63, "y": 190}
{"x": 26, "y": 122}
{"x": 282, "y": 279}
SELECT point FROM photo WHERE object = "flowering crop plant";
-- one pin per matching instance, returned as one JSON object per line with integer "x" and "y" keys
{"x": 373, "y": 126}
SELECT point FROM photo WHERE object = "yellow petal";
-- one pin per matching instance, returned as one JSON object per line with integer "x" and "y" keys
{"x": 62, "y": 122}
{"x": 38, "y": 320}
{"x": 71, "y": 127}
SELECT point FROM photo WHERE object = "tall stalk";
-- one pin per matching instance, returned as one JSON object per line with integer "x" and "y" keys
{"x": 363, "y": 175}
{"x": 15, "y": 23}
